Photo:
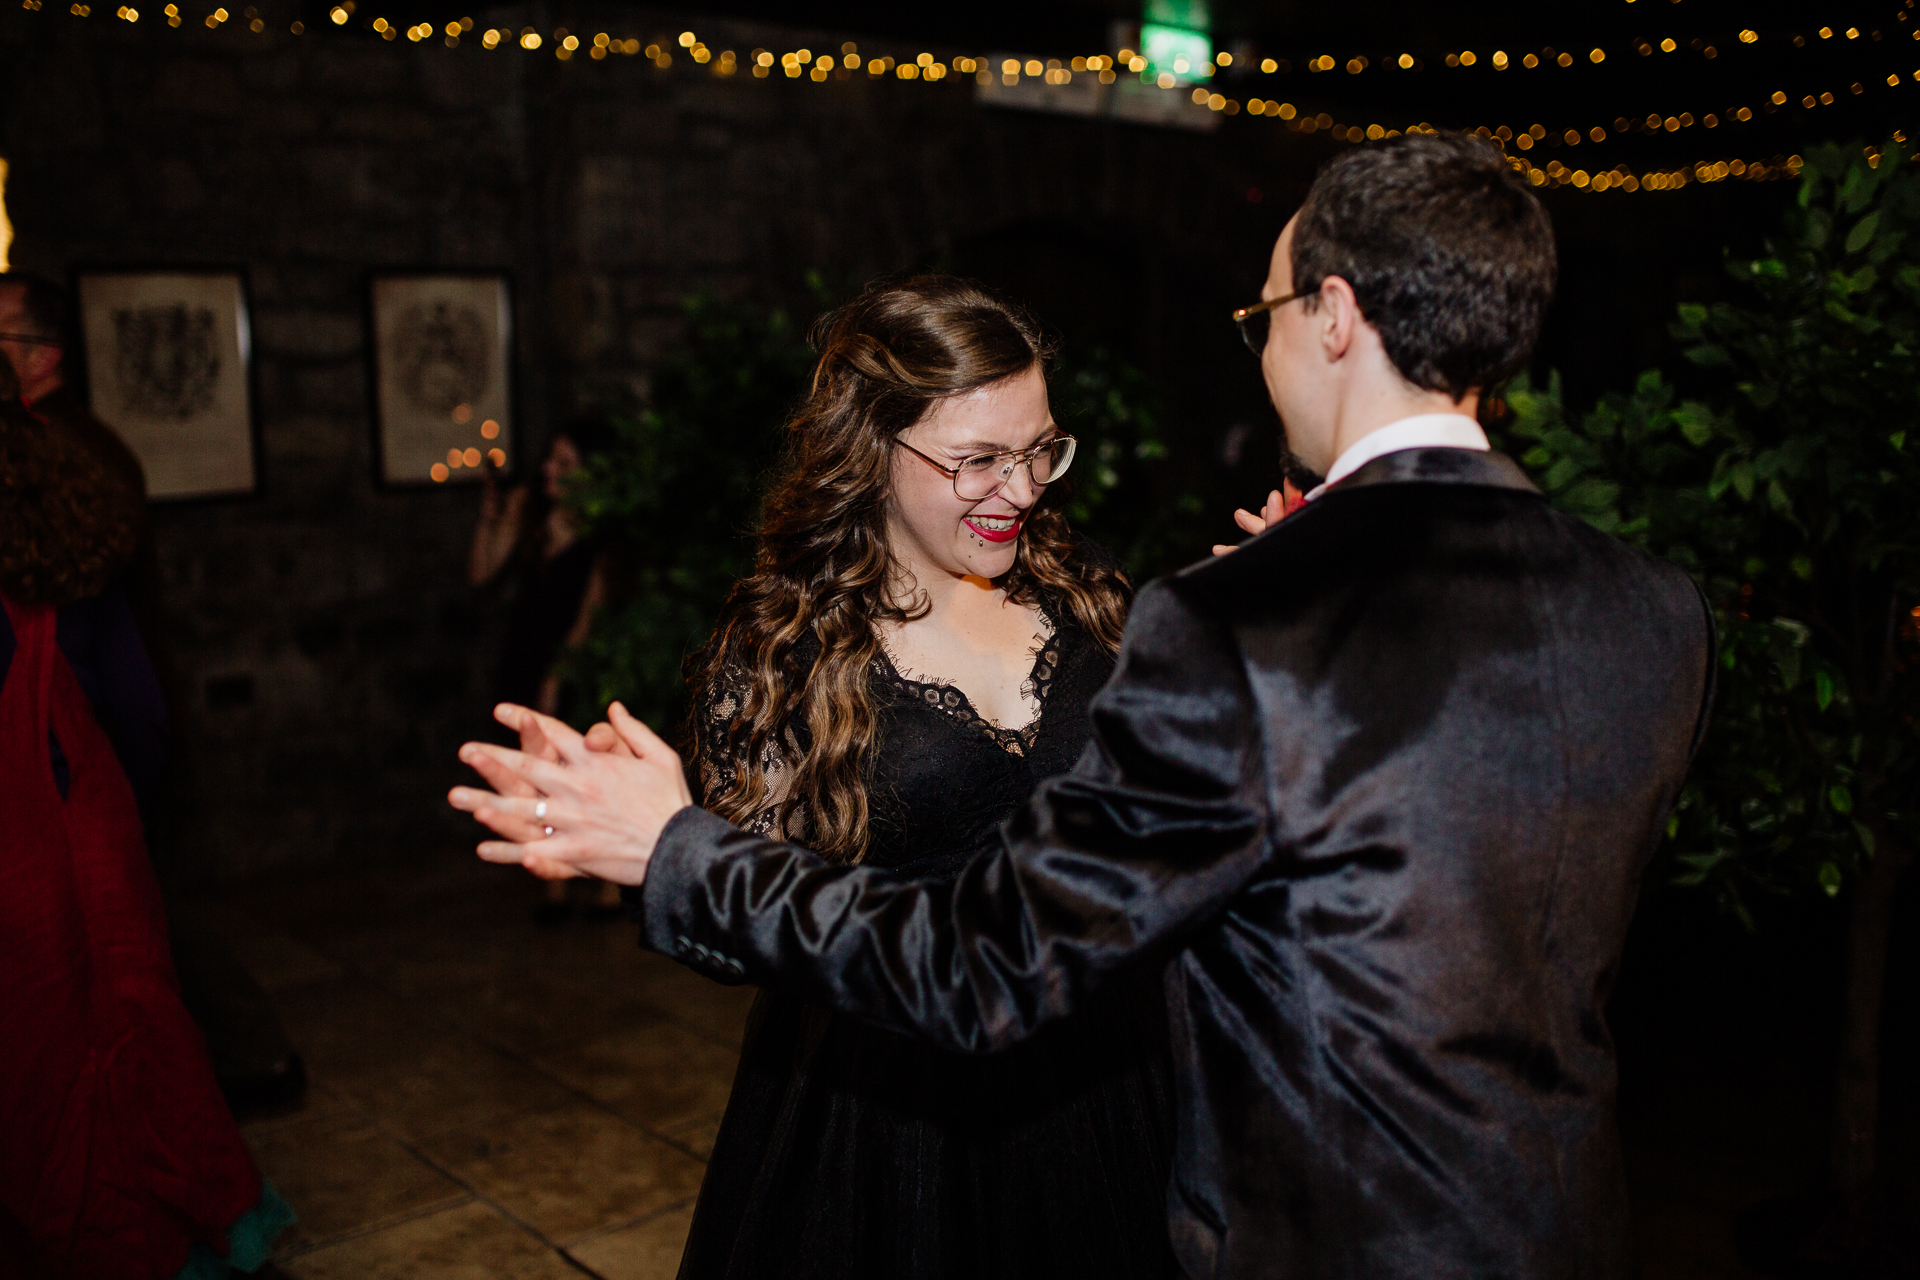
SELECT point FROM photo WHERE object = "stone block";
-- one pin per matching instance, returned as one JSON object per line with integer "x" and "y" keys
{"x": 333, "y": 385}
{"x": 351, "y": 70}
{"x": 278, "y": 69}
{"x": 307, "y": 333}
{"x": 199, "y": 87}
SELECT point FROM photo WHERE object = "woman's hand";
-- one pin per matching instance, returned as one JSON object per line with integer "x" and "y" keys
{"x": 1280, "y": 503}
{"x": 497, "y": 531}
{"x": 575, "y": 805}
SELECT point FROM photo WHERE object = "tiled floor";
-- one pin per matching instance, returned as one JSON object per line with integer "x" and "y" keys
{"x": 490, "y": 1097}
{"x": 494, "y": 1098}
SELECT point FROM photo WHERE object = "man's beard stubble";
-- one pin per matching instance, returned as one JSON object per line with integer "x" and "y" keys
{"x": 1304, "y": 477}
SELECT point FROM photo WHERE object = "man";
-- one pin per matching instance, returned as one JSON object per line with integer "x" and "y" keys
{"x": 1375, "y": 789}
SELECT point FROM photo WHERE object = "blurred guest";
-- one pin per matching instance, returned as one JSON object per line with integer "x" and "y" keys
{"x": 530, "y": 532}
{"x": 36, "y": 329}
{"x": 120, "y": 1157}
{"x": 253, "y": 1059}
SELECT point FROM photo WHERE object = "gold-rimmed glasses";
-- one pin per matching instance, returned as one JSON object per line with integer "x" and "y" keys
{"x": 985, "y": 474}
{"x": 1253, "y": 320}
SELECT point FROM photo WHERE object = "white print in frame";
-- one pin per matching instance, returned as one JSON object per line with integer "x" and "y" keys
{"x": 167, "y": 355}
{"x": 442, "y": 352}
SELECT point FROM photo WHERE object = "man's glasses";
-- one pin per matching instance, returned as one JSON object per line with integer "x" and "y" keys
{"x": 1253, "y": 320}
{"x": 985, "y": 474}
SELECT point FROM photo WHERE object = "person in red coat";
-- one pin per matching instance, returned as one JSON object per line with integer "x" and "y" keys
{"x": 120, "y": 1160}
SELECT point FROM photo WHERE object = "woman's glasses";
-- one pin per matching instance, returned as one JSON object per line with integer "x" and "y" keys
{"x": 985, "y": 474}
{"x": 1254, "y": 320}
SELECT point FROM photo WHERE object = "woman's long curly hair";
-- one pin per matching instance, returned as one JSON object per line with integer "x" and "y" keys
{"x": 824, "y": 568}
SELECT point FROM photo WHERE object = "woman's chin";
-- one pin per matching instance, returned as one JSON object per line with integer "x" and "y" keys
{"x": 991, "y": 561}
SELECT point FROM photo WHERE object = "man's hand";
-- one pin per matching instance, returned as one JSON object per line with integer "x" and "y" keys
{"x": 1280, "y": 503}
{"x": 573, "y": 805}
{"x": 601, "y": 737}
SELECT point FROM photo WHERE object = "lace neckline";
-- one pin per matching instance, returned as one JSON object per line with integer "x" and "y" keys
{"x": 950, "y": 700}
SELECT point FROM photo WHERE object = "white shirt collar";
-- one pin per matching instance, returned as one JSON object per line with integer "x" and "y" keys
{"x": 1422, "y": 431}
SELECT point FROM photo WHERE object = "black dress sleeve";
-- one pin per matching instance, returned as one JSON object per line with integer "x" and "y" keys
{"x": 1160, "y": 823}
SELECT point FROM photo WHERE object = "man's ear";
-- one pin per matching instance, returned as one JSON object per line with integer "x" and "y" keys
{"x": 1339, "y": 316}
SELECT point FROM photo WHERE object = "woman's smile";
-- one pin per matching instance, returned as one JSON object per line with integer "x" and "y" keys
{"x": 1003, "y": 528}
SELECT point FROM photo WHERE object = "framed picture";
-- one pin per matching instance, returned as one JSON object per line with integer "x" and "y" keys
{"x": 167, "y": 358}
{"x": 442, "y": 352}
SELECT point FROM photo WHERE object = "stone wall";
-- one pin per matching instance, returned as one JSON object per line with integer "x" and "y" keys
{"x": 328, "y": 653}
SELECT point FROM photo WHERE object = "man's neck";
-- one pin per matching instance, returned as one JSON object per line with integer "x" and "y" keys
{"x": 1362, "y": 415}
{"x": 41, "y": 388}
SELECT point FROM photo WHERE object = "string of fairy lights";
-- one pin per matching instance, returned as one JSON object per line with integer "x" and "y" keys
{"x": 1103, "y": 69}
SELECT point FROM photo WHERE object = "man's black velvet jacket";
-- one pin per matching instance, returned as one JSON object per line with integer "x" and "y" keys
{"x": 1376, "y": 790}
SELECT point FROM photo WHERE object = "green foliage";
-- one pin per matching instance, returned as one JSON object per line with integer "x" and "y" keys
{"x": 1791, "y": 493}
{"x": 678, "y": 501}
{"x": 1116, "y": 413}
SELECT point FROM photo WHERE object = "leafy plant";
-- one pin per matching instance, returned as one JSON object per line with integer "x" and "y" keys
{"x": 1116, "y": 412}
{"x": 677, "y": 501}
{"x": 1789, "y": 492}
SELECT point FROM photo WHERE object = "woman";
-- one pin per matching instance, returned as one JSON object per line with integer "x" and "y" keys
{"x": 560, "y": 576}
{"x": 913, "y": 653}
{"x": 119, "y": 1157}
{"x": 561, "y": 582}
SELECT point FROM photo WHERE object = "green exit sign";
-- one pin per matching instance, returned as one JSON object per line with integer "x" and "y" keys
{"x": 1191, "y": 15}
{"x": 1174, "y": 41}
{"x": 1179, "y": 52}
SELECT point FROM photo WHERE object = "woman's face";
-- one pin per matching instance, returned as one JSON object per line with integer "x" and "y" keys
{"x": 563, "y": 459}
{"x": 931, "y": 528}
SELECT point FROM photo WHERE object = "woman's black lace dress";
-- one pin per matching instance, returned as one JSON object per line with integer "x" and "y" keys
{"x": 848, "y": 1151}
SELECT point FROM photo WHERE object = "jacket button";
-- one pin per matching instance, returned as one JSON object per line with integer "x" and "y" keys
{"x": 683, "y": 944}
{"x": 735, "y": 968}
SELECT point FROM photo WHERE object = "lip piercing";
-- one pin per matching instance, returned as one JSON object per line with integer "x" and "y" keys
{"x": 540, "y": 810}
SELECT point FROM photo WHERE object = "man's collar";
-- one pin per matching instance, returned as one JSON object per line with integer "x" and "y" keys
{"x": 1442, "y": 465}
{"x": 1422, "y": 431}
{"x": 1252, "y": 568}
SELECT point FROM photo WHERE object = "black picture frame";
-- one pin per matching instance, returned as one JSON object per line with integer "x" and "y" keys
{"x": 94, "y": 381}
{"x": 399, "y": 463}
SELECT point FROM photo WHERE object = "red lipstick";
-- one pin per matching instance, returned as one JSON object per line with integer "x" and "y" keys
{"x": 1007, "y": 534}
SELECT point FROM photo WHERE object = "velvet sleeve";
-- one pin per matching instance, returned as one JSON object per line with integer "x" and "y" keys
{"x": 1146, "y": 840}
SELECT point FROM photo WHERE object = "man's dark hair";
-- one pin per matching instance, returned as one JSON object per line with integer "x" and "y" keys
{"x": 1449, "y": 254}
{"x": 45, "y": 303}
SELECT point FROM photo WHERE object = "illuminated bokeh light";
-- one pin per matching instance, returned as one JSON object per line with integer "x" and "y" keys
{"x": 925, "y": 67}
